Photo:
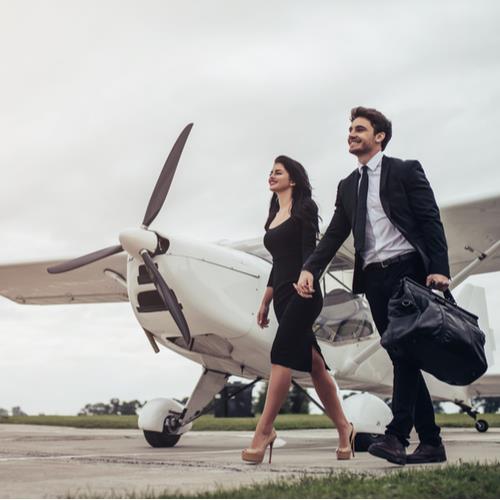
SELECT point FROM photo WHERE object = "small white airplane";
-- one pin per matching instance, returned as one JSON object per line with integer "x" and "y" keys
{"x": 200, "y": 300}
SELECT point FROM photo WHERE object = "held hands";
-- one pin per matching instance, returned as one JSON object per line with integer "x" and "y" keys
{"x": 304, "y": 285}
{"x": 262, "y": 316}
{"x": 438, "y": 281}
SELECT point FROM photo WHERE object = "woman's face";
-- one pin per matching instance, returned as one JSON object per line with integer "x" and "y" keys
{"x": 279, "y": 179}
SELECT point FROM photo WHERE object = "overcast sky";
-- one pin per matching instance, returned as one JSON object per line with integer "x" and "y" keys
{"x": 95, "y": 92}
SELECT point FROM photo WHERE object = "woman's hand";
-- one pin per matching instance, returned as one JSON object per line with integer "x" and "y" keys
{"x": 304, "y": 285}
{"x": 262, "y": 319}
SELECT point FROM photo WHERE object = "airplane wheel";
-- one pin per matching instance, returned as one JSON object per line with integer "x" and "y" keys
{"x": 363, "y": 440}
{"x": 482, "y": 425}
{"x": 161, "y": 439}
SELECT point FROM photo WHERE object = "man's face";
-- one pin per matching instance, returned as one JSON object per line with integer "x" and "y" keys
{"x": 362, "y": 139}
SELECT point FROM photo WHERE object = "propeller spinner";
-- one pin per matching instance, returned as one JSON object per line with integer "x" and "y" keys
{"x": 141, "y": 243}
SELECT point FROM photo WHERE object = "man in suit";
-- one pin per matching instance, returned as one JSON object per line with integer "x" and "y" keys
{"x": 390, "y": 208}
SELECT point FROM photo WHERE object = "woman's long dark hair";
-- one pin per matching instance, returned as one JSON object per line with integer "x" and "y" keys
{"x": 303, "y": 206}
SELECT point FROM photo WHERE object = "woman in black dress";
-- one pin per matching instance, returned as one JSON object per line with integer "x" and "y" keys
{"x": 291, "y": 230}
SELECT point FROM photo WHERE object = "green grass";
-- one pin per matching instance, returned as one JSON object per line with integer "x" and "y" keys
{"x": 463, "y": 420}
{"x": 464, "y": 481}
{"x": 453, "y": 481}
{"x": 91, "y": 422}
{"x": 209, "y": 423}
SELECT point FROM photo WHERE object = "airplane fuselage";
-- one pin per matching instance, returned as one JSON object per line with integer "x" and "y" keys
{"x": 220, "y": 290}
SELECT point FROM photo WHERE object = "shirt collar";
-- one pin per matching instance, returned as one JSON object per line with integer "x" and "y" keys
{"x": 373, "y": 163}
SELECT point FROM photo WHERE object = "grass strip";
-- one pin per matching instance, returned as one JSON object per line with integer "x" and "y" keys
{"x": 463, "y": 481}
{"x": 452, "y": 481}
{"x": 210, "y": 423}
{"x": 88, "y": 422}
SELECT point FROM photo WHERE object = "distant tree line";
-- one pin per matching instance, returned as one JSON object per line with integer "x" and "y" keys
{"x": 114, "y": 407}
{"x": 487, "y": 405}
{"x": 16, "y": 412}
{"x": 296, "y": 402}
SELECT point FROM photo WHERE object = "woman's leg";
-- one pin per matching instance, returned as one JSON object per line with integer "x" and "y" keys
{"x": 327, "y": 392}
{"x": 277, "y": 391}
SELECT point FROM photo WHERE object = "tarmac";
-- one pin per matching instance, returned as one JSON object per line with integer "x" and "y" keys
{"x": 49, "y": 462}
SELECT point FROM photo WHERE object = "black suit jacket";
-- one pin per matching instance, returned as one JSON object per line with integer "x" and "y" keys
{"x": 408, "y": 202}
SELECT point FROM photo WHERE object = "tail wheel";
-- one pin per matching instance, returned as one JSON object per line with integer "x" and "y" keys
{"x": 482, "y": 425}
{"x": 161, "y": 439}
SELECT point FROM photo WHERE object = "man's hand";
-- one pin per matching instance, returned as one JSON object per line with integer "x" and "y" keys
{"x": 304, "y": 285}
{"x": 438, "y": 281}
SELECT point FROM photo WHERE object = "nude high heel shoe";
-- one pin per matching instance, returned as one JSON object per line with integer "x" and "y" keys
{"x": 256, "y": 455}
{"x": 345, "y": 453}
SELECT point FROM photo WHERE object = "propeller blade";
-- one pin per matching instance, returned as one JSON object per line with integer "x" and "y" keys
{"x": 168, "y": 297}
{"x": 69, "y": 265}
{"x": 167, "y": 174}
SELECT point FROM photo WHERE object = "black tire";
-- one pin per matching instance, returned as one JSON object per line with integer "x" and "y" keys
{"x": 482, "y": 425}
{"x": 161, "y": 439}
{"x": 363, "y": 440}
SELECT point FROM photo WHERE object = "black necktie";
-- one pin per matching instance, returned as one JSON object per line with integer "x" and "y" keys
{"x": 360, "y": 222}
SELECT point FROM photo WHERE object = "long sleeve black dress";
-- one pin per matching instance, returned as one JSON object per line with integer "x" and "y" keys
{"x": 290, "y": 244}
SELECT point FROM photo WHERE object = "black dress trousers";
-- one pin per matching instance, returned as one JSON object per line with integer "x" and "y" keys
{"x": 411, "y": 402}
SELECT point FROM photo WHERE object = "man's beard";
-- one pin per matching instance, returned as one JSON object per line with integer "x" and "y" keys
{"x": 359, "y": 151}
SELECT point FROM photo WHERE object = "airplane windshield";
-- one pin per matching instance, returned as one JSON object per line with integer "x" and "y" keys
{"x": 345, "y": 317}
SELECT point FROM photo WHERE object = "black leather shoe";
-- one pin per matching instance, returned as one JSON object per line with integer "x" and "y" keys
{"x": 390, "y": 448}
{"x": 427, "y": 454}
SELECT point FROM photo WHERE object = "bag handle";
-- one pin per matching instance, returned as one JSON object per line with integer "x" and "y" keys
{"x": 448, "y": 296}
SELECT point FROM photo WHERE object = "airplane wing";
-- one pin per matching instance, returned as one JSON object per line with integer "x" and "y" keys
{"x": 30, "y": 283}
{"x": 472, "y": 224}
{"x": 487, "y": 386}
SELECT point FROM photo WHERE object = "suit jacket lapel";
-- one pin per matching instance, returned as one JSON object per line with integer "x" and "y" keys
{"x": 384, "y": 174}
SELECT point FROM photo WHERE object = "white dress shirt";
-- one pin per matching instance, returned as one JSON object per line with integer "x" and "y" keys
{"x": 383, "y": 240}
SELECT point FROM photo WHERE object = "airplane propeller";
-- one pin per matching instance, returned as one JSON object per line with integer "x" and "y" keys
{"x": 167, "y": 174}
{"x": 69, "y": 265}
{"x": 167, "y": 296}
{"x": 140, "y": 242}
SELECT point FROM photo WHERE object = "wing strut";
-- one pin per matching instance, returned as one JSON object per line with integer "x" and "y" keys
{"x": 351, "y": 365}
{"x": 468, "y": 270}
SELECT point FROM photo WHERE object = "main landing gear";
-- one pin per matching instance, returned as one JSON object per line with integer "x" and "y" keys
{"x": 481, "y": 425}
{"x": 368, "y": 413}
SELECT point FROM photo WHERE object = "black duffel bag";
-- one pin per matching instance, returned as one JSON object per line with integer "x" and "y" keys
{"x": 435, "y": 334}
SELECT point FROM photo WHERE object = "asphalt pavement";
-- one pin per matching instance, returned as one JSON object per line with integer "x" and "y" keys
{"x": 43, "y": 461}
